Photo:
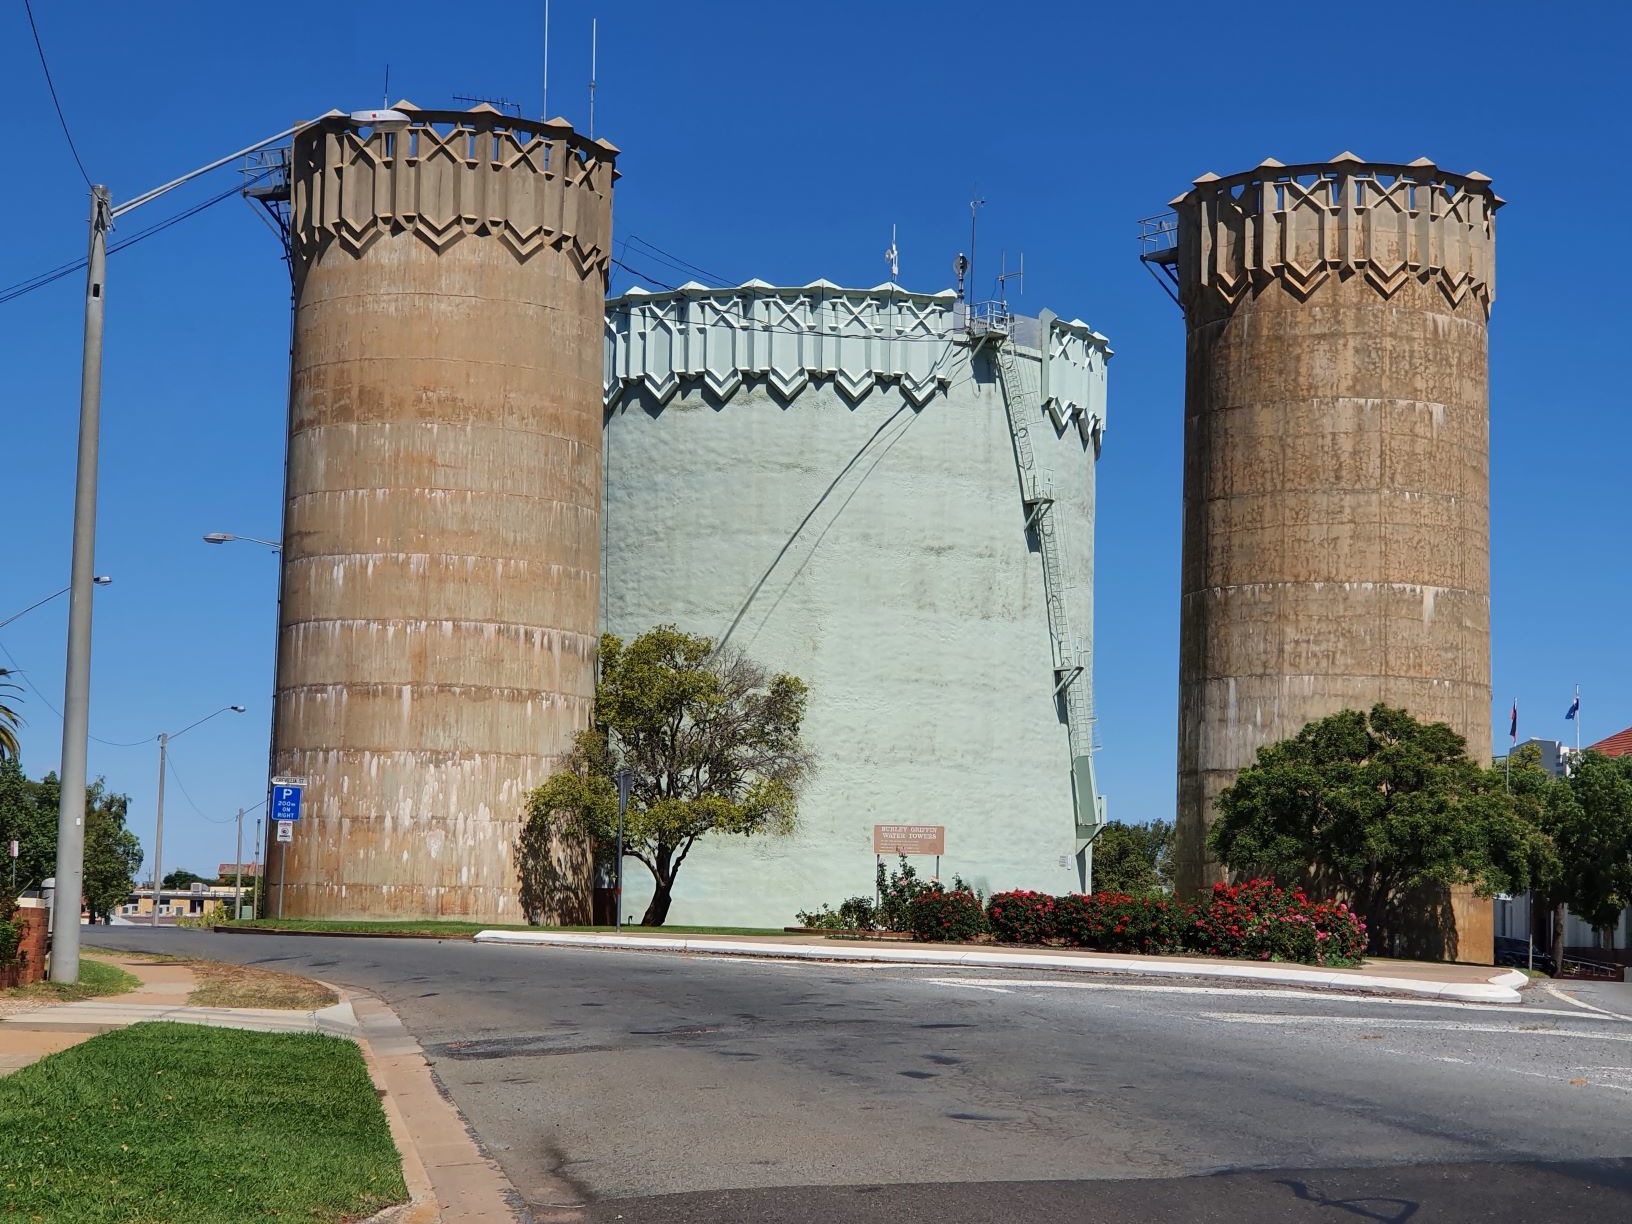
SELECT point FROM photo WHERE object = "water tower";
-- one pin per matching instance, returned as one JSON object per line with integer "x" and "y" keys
{"x": 1336, "y": 462}
{"x": 441, "y": 564}
{"x": 891, "y": 495}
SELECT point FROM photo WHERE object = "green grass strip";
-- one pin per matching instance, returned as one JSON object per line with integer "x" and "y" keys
{"x": 461, "y": 930}
{"x": 176, "y": 1122}
{"x": 96, "y": 979}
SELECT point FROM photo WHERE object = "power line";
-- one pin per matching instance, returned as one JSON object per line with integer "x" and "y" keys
{"x": 40, "y": 281}
{"x": 16, "y": 670}
{"x": 674, "y": 261}
{"x": 182, "y": 787}
{"x": 51, "y": 85}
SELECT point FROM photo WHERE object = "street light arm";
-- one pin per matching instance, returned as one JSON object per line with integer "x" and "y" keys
{"x": 236, "y": 709}
{"x": 39, "y": 603}
{"x": 147, "y": 197}
{"x": 224, "y": 537}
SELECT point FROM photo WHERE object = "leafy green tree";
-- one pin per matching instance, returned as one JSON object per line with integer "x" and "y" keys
{"x": 182, "y": 878}
{"x": 1375, "y": 807}
{"x": 9, "y": 720}
{"x": 1134, "y": 859}
{"x": 1591, "y": 826}
{"x": 28, "y": 815}
{"x": 112, "y": 852}
{"x": 712, "y": 744}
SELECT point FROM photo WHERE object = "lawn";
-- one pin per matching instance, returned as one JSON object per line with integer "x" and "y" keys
{"x": 96, "y": 978}
{"x": 175, "y": 1122}
{"x": 464, "y": 930}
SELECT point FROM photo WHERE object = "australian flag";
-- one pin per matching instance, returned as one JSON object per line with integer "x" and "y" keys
{"x": 1575, "y": 708}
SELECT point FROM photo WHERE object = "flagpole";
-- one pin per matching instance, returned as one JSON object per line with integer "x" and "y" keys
{"x": 1577, "y": 719}
{"x": 1513, "y": 735}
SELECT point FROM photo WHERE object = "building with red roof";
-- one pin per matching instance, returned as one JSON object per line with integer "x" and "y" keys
{"x": 1617, "y": 745}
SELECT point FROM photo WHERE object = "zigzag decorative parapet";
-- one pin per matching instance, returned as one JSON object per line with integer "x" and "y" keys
{"x": 1304, "y": 224}
{"x": 450, "y": 175}
{"x": 786, "y": 336}
{"x": 859, "y": 338}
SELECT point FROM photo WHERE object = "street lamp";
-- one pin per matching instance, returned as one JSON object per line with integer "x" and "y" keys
{"x": 223, "y": 537}
{"x": 99, "y": 580}
{"x": 158, "y": 833}
{"x": 76, "y": 700}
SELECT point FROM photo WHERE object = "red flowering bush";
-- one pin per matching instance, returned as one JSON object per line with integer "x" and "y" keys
{"x": 1257, "y": 920}
{"x": 1254, "y": 920}
{"x": 945, "y": 915}
{"x": 1116, "y": 922}
{"x": 1021, "y": 917}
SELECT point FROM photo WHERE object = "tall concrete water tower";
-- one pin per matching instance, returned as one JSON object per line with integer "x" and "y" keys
{"x": 1336, "y": 461}
{"x": 890, "y": 495}
{"x": 441, "y": 580}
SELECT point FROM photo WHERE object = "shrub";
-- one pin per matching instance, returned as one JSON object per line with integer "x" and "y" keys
{"x": 896, "y": 894}
{"x": 11, "y": 934}
{"x": 858, "y": 914}
{"x": 946, "y": 915}
{"x": 1117, "y": 922}
{"x": 1260, "y": 921}
{"x": 1021, "y": 917}
{"x": 824, "y": 919}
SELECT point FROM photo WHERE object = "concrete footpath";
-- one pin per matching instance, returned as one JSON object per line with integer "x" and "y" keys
{"x": 450, "y": 1180}
{"x": 1458, "y": 983}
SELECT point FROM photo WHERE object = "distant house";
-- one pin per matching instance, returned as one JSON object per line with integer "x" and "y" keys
{"x": 1617, "y": 745}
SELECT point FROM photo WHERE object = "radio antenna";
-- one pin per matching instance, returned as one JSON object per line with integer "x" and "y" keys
{"x": 594, "y": 42}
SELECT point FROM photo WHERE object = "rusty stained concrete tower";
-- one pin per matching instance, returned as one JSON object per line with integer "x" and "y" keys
{"x": 1336, "y": 464}
{"x": 441, "y": 577}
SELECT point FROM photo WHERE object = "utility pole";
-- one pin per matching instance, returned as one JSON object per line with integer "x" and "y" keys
{"x": 238, "y": 870}
{"x": 255, "y": 873}
{"x": 158, "y": 832}
{"x": 76, "y": 697}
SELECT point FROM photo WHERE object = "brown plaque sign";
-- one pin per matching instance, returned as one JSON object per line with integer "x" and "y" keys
{"x": 909, "y": 839}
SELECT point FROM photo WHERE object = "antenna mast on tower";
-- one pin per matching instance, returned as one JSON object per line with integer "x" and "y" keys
{"x": 975, "y": 201}
{"x": 544, "y": 113}
{"x": 594, "y": 41}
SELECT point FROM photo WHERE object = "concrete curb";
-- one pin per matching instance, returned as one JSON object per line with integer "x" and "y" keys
{"x": 243, "y": 930}
{"x": 450, "y": 1179}
{"x": 1499, "y": 989}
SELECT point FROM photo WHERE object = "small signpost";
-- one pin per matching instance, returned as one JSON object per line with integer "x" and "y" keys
{"x": 286, "y": 796}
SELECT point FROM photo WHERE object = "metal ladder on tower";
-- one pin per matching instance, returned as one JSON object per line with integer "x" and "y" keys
{"x": 1023, "y": 403}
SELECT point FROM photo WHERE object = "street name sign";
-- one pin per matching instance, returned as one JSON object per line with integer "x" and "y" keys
{"x": 909, "y": 839}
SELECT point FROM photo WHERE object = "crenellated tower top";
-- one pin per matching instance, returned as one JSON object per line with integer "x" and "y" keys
{"x": 1302, "y": 225}
{"x": 450, "y": 175}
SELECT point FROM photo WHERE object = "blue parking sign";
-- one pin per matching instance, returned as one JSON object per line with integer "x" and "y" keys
{"x": 286, "y": 803}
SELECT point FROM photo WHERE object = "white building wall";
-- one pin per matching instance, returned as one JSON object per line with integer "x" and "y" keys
{"x": 850, "y": 512}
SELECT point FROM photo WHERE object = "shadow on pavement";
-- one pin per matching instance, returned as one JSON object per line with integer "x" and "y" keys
{"x": 1535, "y": 1193}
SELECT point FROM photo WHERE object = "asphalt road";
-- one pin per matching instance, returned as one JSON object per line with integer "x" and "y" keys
{"x": 650, "y": 1087}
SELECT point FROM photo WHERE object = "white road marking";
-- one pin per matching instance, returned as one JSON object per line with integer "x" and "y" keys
{"x": 1557, "y": 1079}
{"x": 1012, "y": 985}
{"x": 1568, "y": 998}
{"x": 1378, "y": 1022}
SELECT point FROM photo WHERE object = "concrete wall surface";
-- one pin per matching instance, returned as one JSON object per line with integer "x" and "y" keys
{"x": 851, "y": 514}
{"x": 441, "y": 577}
{"x": 1336, "y": 472}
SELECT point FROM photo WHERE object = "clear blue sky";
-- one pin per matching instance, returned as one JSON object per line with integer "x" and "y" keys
{"x": 782, "y": 142}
